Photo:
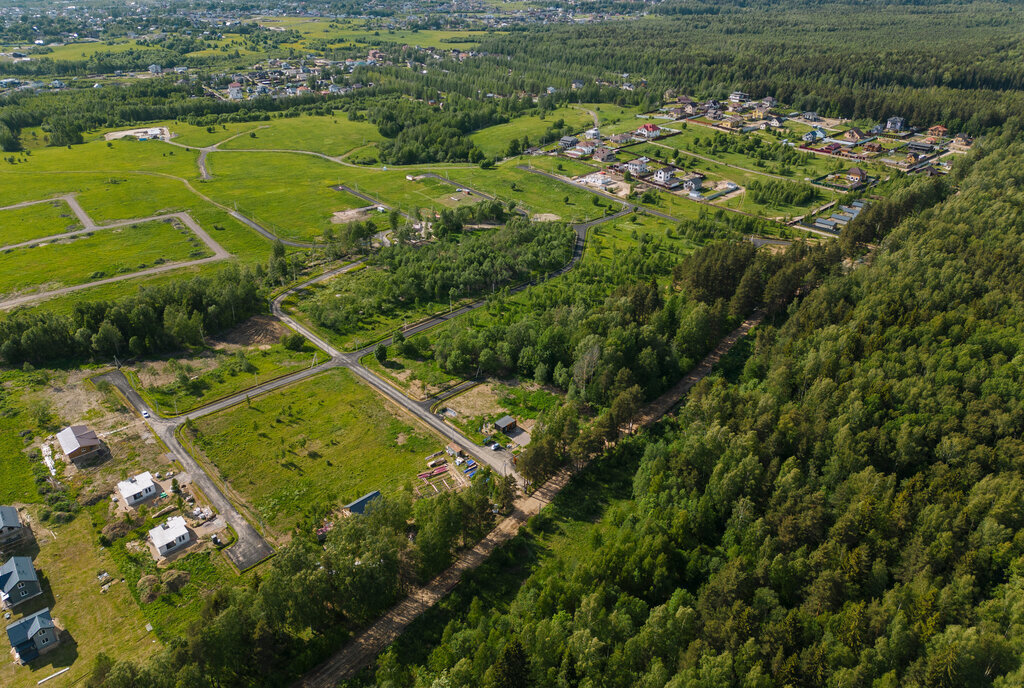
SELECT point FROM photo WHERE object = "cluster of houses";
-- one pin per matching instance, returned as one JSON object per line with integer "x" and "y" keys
{"x": 34, "y": 634}
{"x": 837, "y": 220}
{"x": 279, "y": 78}
{"x": 170, "y": 536}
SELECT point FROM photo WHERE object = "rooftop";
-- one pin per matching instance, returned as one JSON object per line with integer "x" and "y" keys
{"x": 77, "y": 437}
{"x": 169, "y": 531}
{"x": 135, "y": 485}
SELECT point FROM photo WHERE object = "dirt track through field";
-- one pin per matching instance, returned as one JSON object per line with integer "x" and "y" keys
{"x": 219, "y": 252}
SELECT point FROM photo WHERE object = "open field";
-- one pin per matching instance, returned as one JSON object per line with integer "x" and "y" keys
{"x": 290, "y": 194}
{"x": 201, "y": 136}
{"x": 36, "y": 221}
{"x": 70, "y": 560}
{"x": 356, "y": 32}
{"x": 564, "y": 166}
{"x": 537, "y": 194}
{"x": 328, "y": 135}
{"x": 609, "y": 114}
{"x": 187, "y": 383}
{"x": 104, "y": 253}
{"x": 493, "y": 141}
{"x": 324, "y": 440}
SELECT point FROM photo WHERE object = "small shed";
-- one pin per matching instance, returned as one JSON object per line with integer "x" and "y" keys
{"x": 505, "y": 424}
{"x": 359, "y": 506}
{"x": 454, "y": 449}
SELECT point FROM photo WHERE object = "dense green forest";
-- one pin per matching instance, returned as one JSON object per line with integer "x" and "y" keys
{"x": 845, "y": 512}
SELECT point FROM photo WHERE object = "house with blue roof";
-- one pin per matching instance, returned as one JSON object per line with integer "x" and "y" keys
{"x": 18, "y": 582}
{"x": 359, "y": 506}
{"x": 33, "y": 636}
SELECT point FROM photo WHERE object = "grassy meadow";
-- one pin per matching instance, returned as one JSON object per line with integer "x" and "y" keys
{"x": 325, "y": 440}
{"x": 36, "y": 221}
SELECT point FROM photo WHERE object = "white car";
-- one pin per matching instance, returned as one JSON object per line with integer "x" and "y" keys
{"x": 145, "y": 414}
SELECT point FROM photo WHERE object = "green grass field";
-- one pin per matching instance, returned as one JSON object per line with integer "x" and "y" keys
{"x": 564, "y": 166}
{"x": 418, "y": 378}
{"x": 216, "y": 375}
{"x": 537, "y": 194}
{"x": 325, "y": 440}
{"x": 328, "y": 135}
{"x": 493, "y": 141}
{"x": 36, "y": 221}
{"x": 104, "y": 253}
{"x": 288, "y": 193}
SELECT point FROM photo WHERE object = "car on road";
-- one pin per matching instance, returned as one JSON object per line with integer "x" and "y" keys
{"x": 145, "y": 414}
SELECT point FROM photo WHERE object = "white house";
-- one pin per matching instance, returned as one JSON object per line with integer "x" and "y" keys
{"x": 170, "y": 536}
{"x": 667, "y": 177}
{"x": 598, "y": 179}
{"x": 137, "y": 489}
{"x": 593, "y": 133}
{"x": 649, "y": 131}
{"x": 235, "y": 90}
{"x": 738, "y": 97}
{"x": 638, "y": 167}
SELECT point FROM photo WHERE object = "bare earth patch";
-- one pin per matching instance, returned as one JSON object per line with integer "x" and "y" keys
{"x": 354, "y": 215}
{"x": 259, "y": 330}
{"x": 545, "y": 217}
{"x": 478, "y": 401}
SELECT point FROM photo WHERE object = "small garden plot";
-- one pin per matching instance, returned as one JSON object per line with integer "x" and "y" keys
{"x": 320, "y": 442}
{"x": 90, "y": 257}
{"x": 36, "y": 221}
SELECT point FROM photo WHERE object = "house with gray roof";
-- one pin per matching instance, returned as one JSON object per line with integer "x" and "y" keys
{"x": 18, "y": 582}
{"x": 11, "y": 528}
{"x": 359, "y": 506}
{"x": 33, "y": 635}
{"x": 78, "y": 442}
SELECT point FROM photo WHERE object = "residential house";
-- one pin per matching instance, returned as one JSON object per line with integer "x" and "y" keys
{"x": 831, "y": 148}
{"x": 773, "y": 122}
{"x": 78, "y": 442}
{"x": 738, "y": 97}
{"x": 761, "y": 110}
{"x": 18, "y": 582}
{"x": 506, "y": 424}
{"x": 600, "y": 180}
{"x": 811, "y": 116}
{"x": 733, "y": 122}
{"x": 895, "y": 124}
{"x": 963, "y": 140}
{"x": 638, "y": 167}
{"x": 604, "y": 154}
{"x": 621, "y": 138}
{"x": 856, "y": 174}
{"x": 33, "y": 635}
{"x": 568, "y": 141}
{"x": 920, "y": 147}
{"x": 171, "y": 535}
{"x": 666, "y": 176}
{"x": 577, "y": 85}
{"x": 454, "y": 450}
{"x": 769, "y": 102}
{"x": 690, "y": 109}
{"x": 11, "y": 528}
{"x": 814, "y": 135}
{"x": 359, "y": 506}
{"x": 155, "y": 69}
{"x": 854, "y": 135}
{"x": 592, "y": 133}
{"x": 693, "y": 182}
{"x": 714, "y": 115}
{"x": 137, "y": 489}
{"x": 938, "y": 130}
{"x": 649, "y": 131}
{"x": 586, "y": 147}
{"x": 235, "y": 91}
{"x": 873, "y": 147}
